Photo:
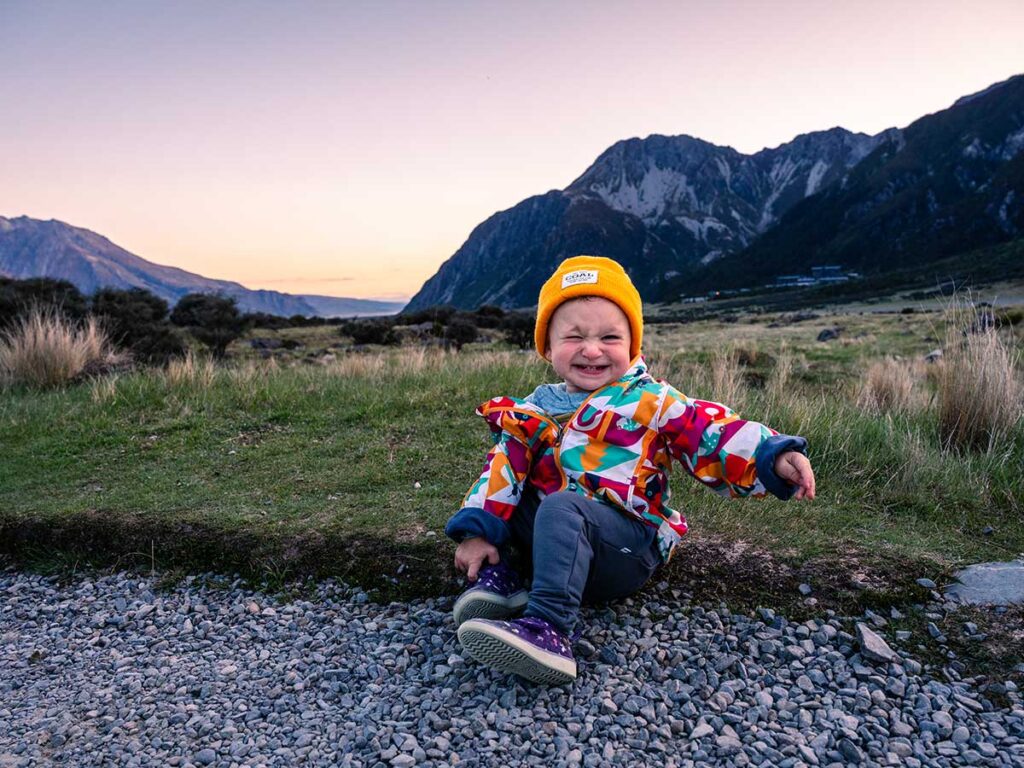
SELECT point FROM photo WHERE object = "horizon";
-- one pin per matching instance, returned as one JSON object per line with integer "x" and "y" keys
{"x": 350, "y": 150}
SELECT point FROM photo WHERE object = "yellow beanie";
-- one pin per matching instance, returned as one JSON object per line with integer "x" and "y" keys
{"x": 589, "y": 276}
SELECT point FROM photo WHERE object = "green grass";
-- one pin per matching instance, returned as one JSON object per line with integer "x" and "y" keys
{"x": 276, "y": 471}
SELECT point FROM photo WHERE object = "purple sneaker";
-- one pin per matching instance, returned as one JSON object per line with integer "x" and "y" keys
{"x": 497, "y": 594}
{"x": 529, "y": 647}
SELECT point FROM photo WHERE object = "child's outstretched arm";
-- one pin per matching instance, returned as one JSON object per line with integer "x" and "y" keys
{"x": 795, "y": 469}
{"x": 729, "y": 455}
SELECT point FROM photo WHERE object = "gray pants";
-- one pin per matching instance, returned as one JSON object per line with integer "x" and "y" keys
{"x": 581, "y": 550}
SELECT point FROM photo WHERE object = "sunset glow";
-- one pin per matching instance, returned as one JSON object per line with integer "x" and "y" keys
{"x": 348, "y": 149}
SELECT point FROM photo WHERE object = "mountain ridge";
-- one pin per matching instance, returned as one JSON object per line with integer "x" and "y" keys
{"x": 663, "y": 201}
{"x": 685, "y": 216}
{"x": 52, "y": 248}
{"x": 953, "y": 182}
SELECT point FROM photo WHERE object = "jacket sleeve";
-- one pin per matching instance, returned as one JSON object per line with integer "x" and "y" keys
{"x": 521, "y": 432}
{"x": 731, "y": 456}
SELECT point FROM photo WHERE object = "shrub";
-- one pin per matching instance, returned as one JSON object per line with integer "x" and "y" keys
{"x": 18, "y": 298}
{"x": 441, "y": 314}
{"x": 213, "y": 320}
{"x": 45, "y": 349}
{"x": 459, "y": 332}
{"x": 979, "y": 392}
{"x": 518, "y": 328}
{"x": 1012, "y": 316}
{"x": 370, "y": 332}
{"x": 265, "y": 320}
{"x": 489, "y": 316}
{"x": 137, "y": 319}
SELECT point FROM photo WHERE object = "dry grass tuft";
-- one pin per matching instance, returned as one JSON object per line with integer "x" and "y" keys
{"x": 253, "y": 371}
{"x": 104, "y": 389}
{"x": 45, "y": 350}
{"x": 727, "y": 383}
{"x": 358, "y": 366}
{"x": 887, "y": 387}
{"x": 190, "y": 371}
{"x": 979, "y": 391}
{"x": 780, "y": 380}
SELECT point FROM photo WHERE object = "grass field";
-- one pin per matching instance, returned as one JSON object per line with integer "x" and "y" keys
{"x": 350, "y": 466}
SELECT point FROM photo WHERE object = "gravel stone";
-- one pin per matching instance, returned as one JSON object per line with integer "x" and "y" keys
{"x": 112, "y": 668}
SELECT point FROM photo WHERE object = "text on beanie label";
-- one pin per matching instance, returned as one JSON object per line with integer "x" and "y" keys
{"x": 579, "y": 277}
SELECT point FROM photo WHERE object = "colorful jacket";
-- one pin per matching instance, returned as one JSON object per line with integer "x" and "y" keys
{"x": 617, "y": 448}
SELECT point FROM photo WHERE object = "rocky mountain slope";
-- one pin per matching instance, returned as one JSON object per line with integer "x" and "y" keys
{"x": 658, "y": 205}
{"x": 34, "y": 248}
{"x": 949, "y": 183}
{"x": 684, "y": 216}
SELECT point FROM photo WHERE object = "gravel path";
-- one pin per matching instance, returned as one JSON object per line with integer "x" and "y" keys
{"x": 108, "y": 671}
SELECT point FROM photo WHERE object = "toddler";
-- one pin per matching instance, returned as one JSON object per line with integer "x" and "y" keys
{"x": 578, "y": 476}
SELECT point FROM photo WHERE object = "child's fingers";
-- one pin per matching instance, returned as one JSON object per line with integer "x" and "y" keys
{"x": 474, "y": 566}
{"x": 805, "y": 478}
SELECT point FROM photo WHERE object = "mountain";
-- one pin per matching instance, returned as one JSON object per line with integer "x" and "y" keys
{"x": 683, "y": 215}
{"x": 949, "y": 183}
{"x": 34, "y": 248}
{"x": 657, "y": 205}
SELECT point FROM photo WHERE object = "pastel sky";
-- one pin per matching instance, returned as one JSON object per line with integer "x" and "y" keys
{"x": 349, "y": 148}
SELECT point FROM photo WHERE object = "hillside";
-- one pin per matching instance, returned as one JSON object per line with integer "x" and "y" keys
{"x": 35, "y": 248}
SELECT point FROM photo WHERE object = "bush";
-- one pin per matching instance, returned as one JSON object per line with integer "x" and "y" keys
{"x": 518, "y": 328}
{"x": 44, "y": 349}
{"x": 370, "y": 332}
{"x": 213, "y": 320}
{"x": 459, "y": 332}
{"x": 439, "y": 314}
{"x": 489, "y": 316}
{"x": 1013, "y": 316}
{"x": 19, "y": 298}
{"x": 137, "y": 319}
{"x": 265, "y": 320}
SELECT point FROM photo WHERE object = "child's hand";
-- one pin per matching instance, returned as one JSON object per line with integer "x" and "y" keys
{"x": 472, "y": 553}
{"x": 795, "y": 469}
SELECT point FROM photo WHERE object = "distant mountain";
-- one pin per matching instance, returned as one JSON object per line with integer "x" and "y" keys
{"x": 949, "y": 183}
{"x": 683, "y": 215}
{"x": 657, "y": 205}
{"x": 34, "y": 248}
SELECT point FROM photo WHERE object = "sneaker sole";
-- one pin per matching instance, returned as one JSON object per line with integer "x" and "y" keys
{"x": 506, "y": 652}
{"x": 483, "y": 605}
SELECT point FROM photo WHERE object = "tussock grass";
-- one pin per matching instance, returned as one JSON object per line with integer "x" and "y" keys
{"x": 104, "y": 389}
{"x": 727, "y": 385}
{"x": 979, "y": 391}
{"x": 190, "y": 371}
{"x": 888, "y": 386}
{"x": 780, "y": 381}
{"x": 44, "y": 350}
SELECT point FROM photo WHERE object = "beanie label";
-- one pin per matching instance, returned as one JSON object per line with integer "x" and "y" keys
{"x": 579, "y": 277}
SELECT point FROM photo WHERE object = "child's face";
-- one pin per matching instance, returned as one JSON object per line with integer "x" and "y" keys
{"x": 588, "y": 343}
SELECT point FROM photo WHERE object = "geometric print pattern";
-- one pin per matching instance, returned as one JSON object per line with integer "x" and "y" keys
{"x": 617, "y": 447}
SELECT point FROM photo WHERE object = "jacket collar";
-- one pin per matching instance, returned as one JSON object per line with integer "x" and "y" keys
{"x": 637, "y": 369}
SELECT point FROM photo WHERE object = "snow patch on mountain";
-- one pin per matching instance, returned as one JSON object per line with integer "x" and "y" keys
{"x": 1014, "y": 143}
{"x": 648, "y": 199}
{"x": 815, "y": 176}
{"x": 701, "y": 228}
